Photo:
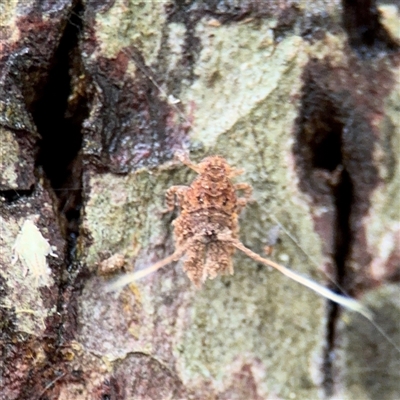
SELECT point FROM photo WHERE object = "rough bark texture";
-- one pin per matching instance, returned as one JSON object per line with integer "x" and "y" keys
{"x": 304, "y": 96}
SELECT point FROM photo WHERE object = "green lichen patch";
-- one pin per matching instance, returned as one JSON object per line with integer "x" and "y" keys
{"x": 125, "y": 214}
{"x": 237, "y": 68}
{"x": 8, "y": 159}
{"x": 138, "y": 23}
{"x": 368, "y": 362}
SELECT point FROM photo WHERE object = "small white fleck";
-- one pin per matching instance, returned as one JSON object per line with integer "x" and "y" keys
{"x": 284, "y": 258}
{"x": 173, "y": 100}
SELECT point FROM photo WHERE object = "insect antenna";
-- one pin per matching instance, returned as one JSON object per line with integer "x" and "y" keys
{"x": 127, "y": 279}
{"x": 134, "y": 276}
{"x": 347, "y": 302}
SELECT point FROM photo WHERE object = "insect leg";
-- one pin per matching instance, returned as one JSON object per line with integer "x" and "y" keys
{"x": 173, "y": 197}
{"x": 184, "y": 159}
{"x": 247, "y": 191}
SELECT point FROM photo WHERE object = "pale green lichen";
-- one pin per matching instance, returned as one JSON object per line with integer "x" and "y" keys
{"x": 124, "y": 214}
{"x": 369, "y": 360}
{"x": 389, "y": 17}
{"x": 234, "y": 78}
{"x": 176, "y": 41}
{"x": 137, "y": 23}
{"x": 9, "y": 152}
{"x": 382, "y": 224}
{"x": 9, "y": 16}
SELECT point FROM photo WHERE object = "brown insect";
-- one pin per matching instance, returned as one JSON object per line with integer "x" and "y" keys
{"x": 209, "y": 207}
{"x": 206, "y": 231}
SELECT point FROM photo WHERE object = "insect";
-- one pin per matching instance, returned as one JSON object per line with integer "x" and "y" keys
{"x": 209, "y": 207}
{"x": 206, "y": 232}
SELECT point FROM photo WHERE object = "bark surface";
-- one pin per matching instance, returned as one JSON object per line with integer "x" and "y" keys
{"x": 95, "y": 99}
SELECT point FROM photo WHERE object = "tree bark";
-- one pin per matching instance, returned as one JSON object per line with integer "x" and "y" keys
{"x": 95, "y": 99}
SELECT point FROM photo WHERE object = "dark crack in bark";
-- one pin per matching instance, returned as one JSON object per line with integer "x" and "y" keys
{"x": 366, "y": 34}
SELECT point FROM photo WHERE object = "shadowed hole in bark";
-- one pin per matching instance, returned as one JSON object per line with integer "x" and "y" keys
{"x": 343, "y": 198}
{"x": 366, "y": 34}
{"x": 13, "y": 195}
{"x": 320, "y": 156}
{"x": 58, "y": 114}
